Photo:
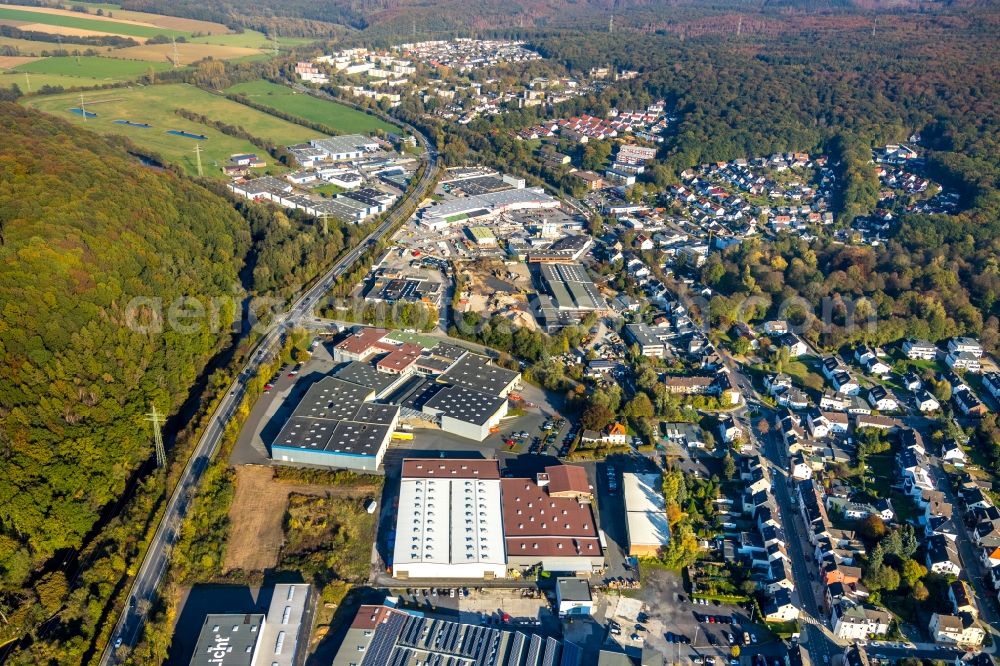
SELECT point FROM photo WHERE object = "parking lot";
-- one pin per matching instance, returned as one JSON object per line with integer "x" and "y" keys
{"x": 526, "y": 607}
{"x": 689, "y": 632}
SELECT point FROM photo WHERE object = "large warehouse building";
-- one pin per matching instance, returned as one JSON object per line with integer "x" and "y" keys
{"x": 474, "y": 398}
{"x": 381, "y": 636}
{"x": 335, "y": 425}
{"x": 485, "y": 206}
{"x": 645, "y": 513}
{"x": 465, "y": 412}
{"x": 252, "y": 639}
{"x": 462, "y": 392}
{"x": 557, "y": 532}
{"x": 448, "y": 524}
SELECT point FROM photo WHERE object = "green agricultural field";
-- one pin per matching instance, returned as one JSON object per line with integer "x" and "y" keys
{"x": 155, "y": 106}
{"x": 36, "y": 81}
{"x": 29, "y": 47}
{"x": 83, "y": 23}
{"x": 338, "y": 116}
{"x": 250, "y": 39}
{"x": 92, "y": 67}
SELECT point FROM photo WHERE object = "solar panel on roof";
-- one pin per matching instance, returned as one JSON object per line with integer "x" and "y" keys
{"x": 534, "y": 650}
{"x": 551, "y": 654}
{"x": 516, "y": 653}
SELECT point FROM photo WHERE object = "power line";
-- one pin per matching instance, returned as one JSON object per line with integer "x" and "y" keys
{"x": 157, "y": 420}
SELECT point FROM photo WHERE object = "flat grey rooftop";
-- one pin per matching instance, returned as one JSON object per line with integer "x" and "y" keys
{"x": 465, "y": 404}
{"x": 478, "y": 373}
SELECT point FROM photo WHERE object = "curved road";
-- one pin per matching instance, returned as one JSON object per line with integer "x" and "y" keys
{"x": 154, "y": 565}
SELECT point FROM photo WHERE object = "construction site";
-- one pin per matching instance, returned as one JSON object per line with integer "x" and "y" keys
{"x": 495, "y": 287}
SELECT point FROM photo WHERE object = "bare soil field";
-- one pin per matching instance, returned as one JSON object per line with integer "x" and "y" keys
{"x": 64, "y": 30}
{"x": 258, "y": 511}
{"x": 172, "y": 22}
{"x": 187, "y": 52}
{"x": 142, "y": 18}
{"x": 9, "y": 62}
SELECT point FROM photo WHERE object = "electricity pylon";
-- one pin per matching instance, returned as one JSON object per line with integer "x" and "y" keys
{"x": 157, "y": 420}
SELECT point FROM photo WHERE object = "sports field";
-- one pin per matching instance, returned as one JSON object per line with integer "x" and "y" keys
{"x": 155, "y": 106}
{"x": 33, "y": 19}
{"x": 338, "y": 116}
{"x": 92, "y": 67}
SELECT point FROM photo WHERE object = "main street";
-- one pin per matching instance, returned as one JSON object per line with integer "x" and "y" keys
{"x": 157, "y": 559}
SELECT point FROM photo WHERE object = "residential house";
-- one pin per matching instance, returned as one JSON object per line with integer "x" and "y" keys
{"x": 777, "y": 383}
{"x": 832, "y": 401}
{"x": 991, "y": 382}
{"x": 793, "y": 345}
{"x": 965, "y": 345}
{"x": 616, "y": 434}
{"x": 952, "y": 451}
{"x": 912, "y": 382}
{"x": 844, "y": 383}
{"x": 882, "y": 400}
{"x": 968, "y": 403}
{"x": 863, "y": 354}
{"x": 942, "y": 556}
{"x": 850, "y": 510}
{"x": 830, "y": 366}
{"x": 776, "y": 327}
{"x": 822, "y": 424}
{"x": 877, "y": 422}
{"x": 884, "y": 509}
{"x": 962, "y": 598}
{"x": 692, "y": 385}
{"x": 730, "y": 430}
{"x": 876, "y": 366}
{"x": 780, "y": 608}
{"x": 962, "y": 630}
{"x": 926, "y": 402}
{"x": 858, "y": 406}
{"x": 963, "y": 360}
{"x": 800, "y": 469}
{"x": 840, "y": 573}
{"x": 854, "y": 622}
{"x": 921, "y": 350}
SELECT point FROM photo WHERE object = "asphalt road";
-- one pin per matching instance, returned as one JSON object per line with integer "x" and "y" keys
{"x": 156, "y": 562}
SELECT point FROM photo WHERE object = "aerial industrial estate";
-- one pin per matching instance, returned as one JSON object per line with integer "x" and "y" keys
{"x": 548, "y": 335}
{"x": 563, "y": 503}
{"x": 585, "y": 500}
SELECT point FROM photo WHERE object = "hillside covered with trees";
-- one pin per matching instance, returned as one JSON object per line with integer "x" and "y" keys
{"x": 84, "y": 230}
